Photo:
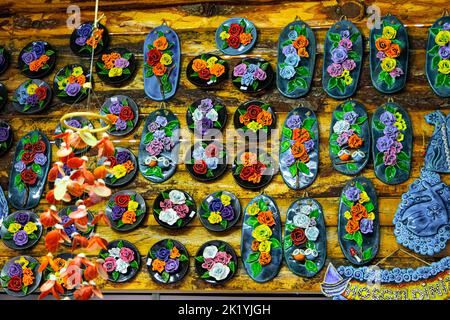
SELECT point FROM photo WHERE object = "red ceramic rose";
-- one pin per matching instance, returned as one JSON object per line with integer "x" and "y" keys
{"x": 126, "y": 113}
{"x": 153, "y": 57}
{"x": 235, "y": 29}
{"x": 28, "y": 157}
{"x": 15, "y": 283}
{"x": 39, "y": 147}
{"x": 253, "y": 111}
{"x": 234, "y": 42}
{"x": 204, "y": 74}
{"x": 122, "y": 200}
{"x": 298, "y": 236}
{"x": 246, "y": 172}
{"x": 28, "y": 176}
{"x": 212, "y": 150}
{"x": 41, "y": 93}
{"x": 200, "y": 167}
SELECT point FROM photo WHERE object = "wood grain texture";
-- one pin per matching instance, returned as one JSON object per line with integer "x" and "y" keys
{"x": 195, "y": 22}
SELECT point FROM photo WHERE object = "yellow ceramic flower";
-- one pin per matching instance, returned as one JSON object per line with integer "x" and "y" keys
{"x": 264, "y": 246}
{"x": 400, "y": 124}
{"x": 398, "y": 116}
{"x": 210, "y": 62}
{"x": 115, "y": 72}
{"x": 262, "y": 232}
{"x": 389, "y": 32}
{"x": 363, "y": 197}
{"x": 215, "y": 217}
{"x": 23, "y": 262}
{"x": 225, "y": 199}
{"x": 30, "y": 227}
{"x": 31, "y": 89}
{"x": 344, "y": 74}
{"x": 119, "y": 171}
{"x": 442, "y": 38}
{"x": 347, "y": 215}
{"x": 400, "y": 137}
{"x": 444, "y": 66}
{"x": 254, "y": 126}
{"x": 371, "y": 216}
{"x": 166, "y": 59}
{"x": 224, "y": 35}
{"x": 388, "y": 64}
{"x": 77, "y": 71}
{"x": 14, "y": 227}
{"x": 348, "y": 80}
{"x": 133, "y": 205}
{"x": 62, "y": 84}
{"x": 253, "y": 209}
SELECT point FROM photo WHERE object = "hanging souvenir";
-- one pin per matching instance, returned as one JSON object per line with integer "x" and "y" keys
{"x": 21, "y": 230}
{"x": 125, "y": 210}
{"x": 168, "y": 261}
{"x": 207, "y": 70}
{"x": 6, "y": 137}
{"x": 437, "y": 157}
{"x": 3, "y": 95}
{"x": 29, "y": 170}
{"x": 261, "y": 249}
{"x": 343, "y": 51}
{"x": 123, "y": 113}
{"x": 122, "y": 261}
{"x": 253, "y": 169}
{"x": 76, "y": 122}
{"x": 174, "y": 209}
{"x": 5, "y": 59}
{"x": 32, "y": 96}
{"x": 4, "y": 209}
{"x": 389, "y": 55}
{"x": 121, "y": 167}
{"x": 437, "y": 63}
{"x": 205, "y": 117}
{"x": 37, "y": 59}
{"x": 87, "y": 38}
{"x": 216, "y": 262}
{"x": 349, "y": 138}
{"x": 220, "y": 211}
{"x": 159, "y": 146}
{"x": 162, "y": 64}
{"x": 299, "y": 148}
{"x": 255, "y": 119}
{"x": 296, "y": 59}
{"x": 72, "y": 83}
{"x": 206, "y": 160}
{"x": 69, "y": 221}
{"x": 392, "y": 143}
{"x": 252, "y": 75}
{"x": 359, "y": 222}
{"x": 305, "y": 238}
{"x": 116, "y": 66}
{"x": 236, "y": 36}
{"x": 422, "y": 218}
{"x": 20, "y": 276}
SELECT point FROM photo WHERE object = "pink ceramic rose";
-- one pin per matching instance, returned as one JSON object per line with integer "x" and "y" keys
{"x": 208, "y": 264}
{"x": 126, "y": 254}
{"x": 166, "y": 204}
{"x": 110, "y": 264}
{"x": 182, "y": 210}
{"x": 222, "y": 257}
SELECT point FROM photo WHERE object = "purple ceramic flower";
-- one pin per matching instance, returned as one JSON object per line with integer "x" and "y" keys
{"x": 390, "y": 159}
{"x": 444, "y": 52}
{"x": 366, "y": 226}
{"x": 167, "y": 142}
{"x": 163, "y": 254}
{"x": 215, "y": 205}
{"x": 205, "y": 125}
{"x": 73, "y": 123}
{"x": 346, "y": 43}
{"x": 384, "y": 143}
{"x": 335, "y": 70}
{"x": 342, "y": 139}
{"x": 351, "y": 117}
{"x": 29, "y": 57}
{"x": 247, "y": 79}
{"x": 20, "y": 166}
{"x": 309, "y": 145}
{"x": 339, "y": 54}
{"x": 240, "y": 70}
{"x": 205, "y": 105}
{"x": 294, "y": 121}
{"x": 72, "y": 89}
{"x": 40, "y": 159}
{"x": 289, "y": 49}
{"x": 155, "y": 147}
{"x": 32, "y": 100}
{"x": 117, "y": 212}
{"x": 4, "y": 133}
{"x": 15, "y": 269}
{"x": 85, "y": 30}
{"x": 227, "y": 213}
{"x": 349, "y": 64}
{"x": 2, "y": 59}
{"x": 446, "y": 26}
{"x": 397, "y": 72}
{"x": 289, "y": 159}
{"x": 121, "y": 125}
{"x": 20, "y": 238}
{"x": 381, "y": 55}
{"x": 352, "y": 193}
{"x": 397, "y": 146}
{"x": 152, "y": 127}
{"x": 80, "y": 41}
{"x": 172, "y": 265}
{"x": 121, "y": 63}
{"x": 260, "y": 74}
{"x": 22, "y": 218}
{"x": 387, "y": 118}
{"x": 161, "y": 121}
{"x": 122, "y": 157}
{"x": 391, "y": 131}
{"x": 345, "y": 34}
{"x": 39, "y": 48}
{"x": 115, "y": 107}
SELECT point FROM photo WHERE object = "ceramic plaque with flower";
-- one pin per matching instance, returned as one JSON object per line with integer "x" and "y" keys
{"x": 86, "y": 38}
{"x": 122, "y": 260}
{"x": 207, "y": 70}
{"x": 72, "y": 227}
{"x": 125, "y": 210}
{"x": 72, "y": 83}
{"x": 20, "y": 276}
{"x": 253, "y": 169}
{"x": 358, "y": 222}
{"x": 389, "y": 55}
{"x": 32, "y": 96}
{"x": 206, "y": 116}
{"x": 29, "y": 170}
{"x": 123, "y": 113}
{"x": 296, "y": 59}
{"x": 299, "y": 148}
{"x": 121, "y": 167}
{"x": 37, "y": 59}
{"x": 252, "y": 75}
{"x": 159, "y": 146}
{"x": 254, "y": 119}
{"x": 162, "y": 54}
{"x": 6, "y": 137}
{"x": 206, "y": 160}
{"x": 343, "y": 53}
{"x": 305, "y": 239}
{"x": 437, "y": 64}
{"x": 21, "y": 230}
{"x": 3, "y": 95}
{"x": 116, "y": 66}
{"x": 392, "y": 143}
{"x": 5, "y": 59}
{"x": 168, "y": 261}
{"x": 236, "y": 36}
{"x": 349, "y": 137}
{"x": 261, "y": 239}
{"x": 216, "y": 262}
{"x": 220, "y": 211}
{"x": 174, "y": 209}
{"x": 76, "y": 122}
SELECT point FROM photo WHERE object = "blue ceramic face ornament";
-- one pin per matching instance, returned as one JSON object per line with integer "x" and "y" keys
{"x": 437, "y": 157}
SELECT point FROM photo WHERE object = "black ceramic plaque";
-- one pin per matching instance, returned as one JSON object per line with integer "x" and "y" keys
{"x": 254, "y": 120}
{"x": 123, "y": 207}
{"x": 305, "y": 238}
{"x": 206, "y": 117}
{"x": 123, "y": 113}
{"x": 207, "y": 70}
{"x": 116, "y": 66}
{"x": 70, "y": 229}
{"x": 216, "y": 262}
{"x": 76, "y": 122}
{"x": 3, "y": 95}
{"x": 206, "y": 160}
{"x": 358, "y": 222}
{"x": 29, "y": 170}
{"x": 127, "y": 260}
{"x": 49, "y": 270}
{"x": 296, "y": 59}
{"x": 174, "y": 209}
{"x": 221, "y": 204}
{"x": 261, "y": 249}
{"x": 392, "y": 143}
{"x": 124, "y": 158}
{"x": 168, "y": 261}
{"x": 6, "y": 137}
{"x": 37, "y": 59}
{"x": 32, "y": 96}
{"x": 72, "y": 83}
{"x": 85, "y": 38}
{"x": 5, "y": 59}
{"x": 253, "y": 169}
{"x": 5, "y": 277}
{"x": 252, "y": 75}
{"x": 21, "y": 230}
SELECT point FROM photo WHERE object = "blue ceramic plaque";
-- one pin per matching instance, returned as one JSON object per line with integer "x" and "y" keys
{"x": 236, "y": 36}
{"x": 437, "y": 156}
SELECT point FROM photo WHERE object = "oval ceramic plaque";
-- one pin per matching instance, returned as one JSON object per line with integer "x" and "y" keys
{"x": 349, "y": 138}
{"x": 358, "y": 223}
{"x": 261, "y": 239}
{"x": 437, "y": 63}
{"x": 6, "y": 137}
{"x": 32, "y": 96}
{"x": 437, "y": 156}
{"x": 236, "y": 36}
{"x": 159, "y": 146}
{"x": 37, "y": 59}
{"x": 299, "y": 148}
{"x": 305, "y": 238}
{"x": 343, "y": 53}
{"x": 254, "y": 120}
{"x": 122, "y": 261}
{"x": 70, "y": 227}
{"x": 5, "y": 59}
{"x": 252, "y": 75}
{"x": 174, "y": 209}
{"x": 123, "y": 113}
{"x": 21, "y": 230}
{"x": 4, "y": 209}
{"x": 12, "y": 276}
{"x": 72, "y": 83}
{"x": 3, "y": 95}
{"x": 392, "y": 143}
{"x": 76, "y": 122}
{"x": 206, "y": 160}
{"x": 206, "y": 116}
{"x": 253, "y": 169}
{"x": 220, "y": 211}
{"x": 389, "y": 55}
{"x": 123, "y": 167}
{"x": 207, "y": 70}
{"x": 296, "y": 59}
{"x": 29, "y": 170}
{"x": 162, "y": 52}
{"x": 116, "y": 66}
{"x": 86, "y": 38}
{"x": 125, "y": 210}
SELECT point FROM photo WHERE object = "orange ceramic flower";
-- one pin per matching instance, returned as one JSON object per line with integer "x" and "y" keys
{"x": 255, "y": 178}
{"x": 43, "y": 59}
{"x": 109, "y": 65}
{"x": 174, "y": 253}
{"x": 161, "y": 43}
{"x": 245, "y": 38}
{"x": 358, "y": 211}
{"x": 106, "y": 58}
{"x": 71, "y": 79}
{"x": 300, "y": 42}
{"x": 266, "y": 217}
{"x": 81, "y": 79}
{"x": 382, "y": 44}
{"x": 112, "y": 117}
{"x": 352, "y": 226}
{"x": 29, "y": 272}
{"x": 248, "y": 159}
{"x": 217, "y": 70}
{"x": 98, "y": 34}
{"x": 264, "y": 258}
{"x": 115, "y": 56}
{"x": 92, "y": 42}
{"x": 129, "y": 166}
{"x": 255, "y": 245}
{"x": 35, "y": 65}
{"x": 129, "y": 217}
{"x": 393, "y": 51}
{"x": 300, "y": 134}
{"x": 354, "y": 141}
{"x": 264, "y": 118}
{"x": 158, "y": 265}
{"x": 244, "y": 119}
{"x": 299, "y": 152}
{"x": 159, "y": 69}
{"x": 198, "y": 64}
{"x": 59, "y": 263}
{"x": 302, "y": 52}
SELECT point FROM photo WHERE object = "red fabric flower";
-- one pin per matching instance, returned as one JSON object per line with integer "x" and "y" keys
{"x": 28, "y": 157}
{"x": 153, "y": 56}
{"x": 200, "y": 167}
{"x": 122, "y": 200}
{"x": 28, "y": 176}
{"x": 41, "y": 93}
{"x": 126, "y": 113}
{"x": 234, "y": 42}
{"x": 235, "y": 29}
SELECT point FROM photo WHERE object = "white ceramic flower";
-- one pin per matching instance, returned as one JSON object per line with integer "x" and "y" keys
{"x": 169, "y": 216}
{"x": 197, "y": 115}
{"x": 212, "y": 163}
{"x": 212, "y": 115}
{"x": 210, "y": 252}
{"x": 219, "y": 271}
{"x": 306, "y": 209}
{"x": 199, "y": 153}
{"x": 341, "y": 126}
{"x": 177, "y": 197}
{"x": 301, "y": 220}
{"x": 114, "y": 252}
{"x": 312, "y": 233}
{"x": 122, "y": 266}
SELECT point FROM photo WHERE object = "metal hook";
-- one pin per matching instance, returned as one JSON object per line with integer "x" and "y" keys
{"x": 445, "y": 13}
{"x": 305, "y": 194}
{"x": 297, "y": 17}
{"x": 164, "y": 22}
{"x": 390, "y": 100}
{"x": 343, "y": 17}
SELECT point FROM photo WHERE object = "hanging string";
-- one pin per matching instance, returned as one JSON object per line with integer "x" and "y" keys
{"x": 405, "y": 252}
